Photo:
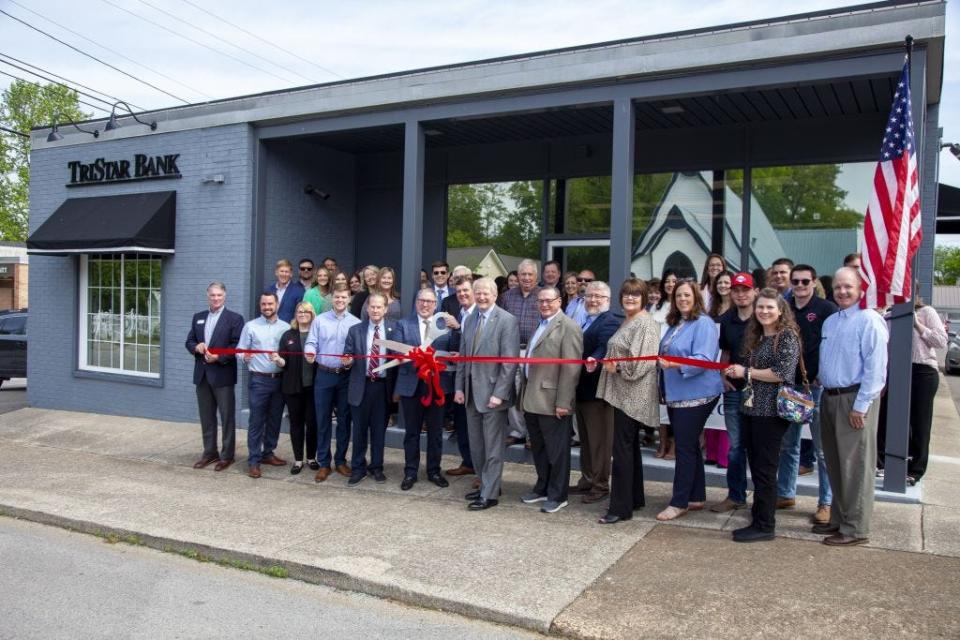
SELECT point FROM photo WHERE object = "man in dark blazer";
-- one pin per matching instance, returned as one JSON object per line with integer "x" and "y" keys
{"x": 409, "y": 391}
{"x": 369, "y": 391}
{"x": 547, "y": 394}
{"x": 289, "y": 291}
{"x": 594, "y": 416}
{"x": 215, "y": 376}
{"x": 487, "y": 389}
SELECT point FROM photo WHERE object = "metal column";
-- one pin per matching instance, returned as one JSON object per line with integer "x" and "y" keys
{"x": 411, "y": 260}
{"x": 621, "y": 193}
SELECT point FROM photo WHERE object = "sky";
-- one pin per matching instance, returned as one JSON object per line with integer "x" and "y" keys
{"x": 300, "y": 42}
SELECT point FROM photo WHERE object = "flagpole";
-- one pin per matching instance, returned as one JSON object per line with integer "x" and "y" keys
{"x": 900, "y": 371}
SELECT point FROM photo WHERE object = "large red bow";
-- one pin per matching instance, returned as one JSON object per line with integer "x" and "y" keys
{"x": 428, "y": 369}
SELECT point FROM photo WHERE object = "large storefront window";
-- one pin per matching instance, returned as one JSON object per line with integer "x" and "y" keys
{"x": 120, "y": 314}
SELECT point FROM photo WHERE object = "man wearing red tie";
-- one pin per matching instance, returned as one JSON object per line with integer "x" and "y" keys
{"x": 369, "y": 389}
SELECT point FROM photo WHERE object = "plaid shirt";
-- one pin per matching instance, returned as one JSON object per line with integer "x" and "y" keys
{"x": 524, "y": 309}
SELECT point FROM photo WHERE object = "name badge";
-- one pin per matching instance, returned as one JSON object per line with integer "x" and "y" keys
{"x": 201, "y": 321}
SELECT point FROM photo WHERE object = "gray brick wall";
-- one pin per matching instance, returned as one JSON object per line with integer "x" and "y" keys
{"x": 212, "y": 242}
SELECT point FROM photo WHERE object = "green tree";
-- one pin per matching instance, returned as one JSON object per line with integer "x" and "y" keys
{"x": 946, "y": 265}
{"x": 23, "y": 106}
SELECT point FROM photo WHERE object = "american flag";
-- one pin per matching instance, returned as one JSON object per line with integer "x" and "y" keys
{"x": 892, "y": 233}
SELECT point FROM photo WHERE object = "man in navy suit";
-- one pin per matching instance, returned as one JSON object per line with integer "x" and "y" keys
{"x": 369, "y": 390}
{"x": 215, "y": 376}
{"x": 594, "y": 416}
{"x": 289, "y": 292}
{"x": 410, "y": 389}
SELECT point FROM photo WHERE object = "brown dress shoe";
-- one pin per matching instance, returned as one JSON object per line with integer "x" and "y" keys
{"x": 254, "y": 471}
{"x": 202, "y": 462}
{"x": 223, "y": 464}
{"x": 786, "y": 503}
{"x": 577, "y": 489}
{"x": 595, "y": 496}
{"x": 476, "y": 483}
{"x": 822, "y": 516}
{"x": 804, "y": 471}
{"x": 460, "y": 471}
{"x": 343, "y": 470}
{"x": 323, "y": 474}
{"x": 274, "y": 461}
{"x": 840, "y": 540}
{"x": 727, "y": 505}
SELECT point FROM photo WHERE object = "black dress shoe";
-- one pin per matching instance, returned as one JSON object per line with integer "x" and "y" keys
{"x": 407, "y": 484}
{"x": 379, "y": 477}
{"x": 296, "y": 468}
{"x": 611, "y": 519}
{"x": 744, "y": 530}
{"x": 753, "y": 535}
{"x": 481, "y": 503}
{"x": 473, "y": 495}
{"x": 313, "y": 464}
{"x": 825, "y": 529}
{"x": 440, "y": 481}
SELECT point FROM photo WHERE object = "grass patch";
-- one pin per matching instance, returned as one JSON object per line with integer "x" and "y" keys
{"x": 273, "y": 571}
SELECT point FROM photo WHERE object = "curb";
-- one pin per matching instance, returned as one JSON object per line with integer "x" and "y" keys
{"x": 295, "y": 570}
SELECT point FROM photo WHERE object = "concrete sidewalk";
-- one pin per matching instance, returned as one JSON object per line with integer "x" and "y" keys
{"x": 562, "y": 573}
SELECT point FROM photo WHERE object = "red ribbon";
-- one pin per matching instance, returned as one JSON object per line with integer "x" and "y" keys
{"x": 428, "y": 369}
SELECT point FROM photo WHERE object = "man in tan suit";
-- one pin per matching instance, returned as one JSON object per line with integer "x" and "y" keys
{"x": 547, "y": 400}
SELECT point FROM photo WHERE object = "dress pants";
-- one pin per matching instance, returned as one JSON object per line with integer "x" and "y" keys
{"x": 266, "y": 412}
{"x": 763, "y": 436}
{"x": 923, "y": 389}
{"x": 689, "y": 480}
{"x": 595, "y": 426}
{"x": 850, "y": 455}
{"x": 626, "y": 491}
{"x": 329, "y": 393}
{"x": 369, "y": 425}
{"x": 463, "y": 434}
{"x": 550, "y": 445}
{"x": 303, "y": 423}
{"x": 488, "y": 433}
{"x": 210, "y": 400}
{"x": 414, "y": 414}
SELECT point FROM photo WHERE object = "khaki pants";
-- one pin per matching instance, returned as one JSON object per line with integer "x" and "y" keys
{"x": 850, "y": 455}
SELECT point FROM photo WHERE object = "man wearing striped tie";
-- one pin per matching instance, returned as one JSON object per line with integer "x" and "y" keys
{"x": 369, "y": 389}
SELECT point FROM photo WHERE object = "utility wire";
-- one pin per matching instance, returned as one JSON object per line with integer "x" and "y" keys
{"x": 14, "y": 132}
{"x": 80, "y": 51}
{"x": 92, "y": 106}
{"x": 223, "y": 40}
{"x": 112, "y": 100}
{"x": 197, "y": 42}
{"x": 113, "y": 51}
{"x": 264, "y": 40}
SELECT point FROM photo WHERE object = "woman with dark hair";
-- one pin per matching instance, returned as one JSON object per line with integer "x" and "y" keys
{"x": 720, "y": 301}
{"x": 690, "y": 393}
{"x": 386, "y": 284}
{"x": 653, "y": 294}
{"x": 631, "y": 389}
{"x": 296, "y": 385}
{"x": 513, "y": 280}
{"x": 570, "y": 289}
{"x": 368, "y": 275}
{"x": 771, "y": 346}
{"x": 713, "y": 267}
{"x": 356, "y": 283}
{"x": 501, "y": 282}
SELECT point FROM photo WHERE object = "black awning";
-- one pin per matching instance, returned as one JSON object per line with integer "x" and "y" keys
{"x": 139, "y": 222}
{"x": 948, "y": 209}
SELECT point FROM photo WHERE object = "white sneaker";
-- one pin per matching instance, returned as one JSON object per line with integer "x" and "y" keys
{"x": 551, "y": 506}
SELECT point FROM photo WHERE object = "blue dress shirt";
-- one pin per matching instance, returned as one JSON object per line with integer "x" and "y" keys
{"x": 853, "y": 350}
{"x": 262, "y": 335}
{"x": 328, "y": 333}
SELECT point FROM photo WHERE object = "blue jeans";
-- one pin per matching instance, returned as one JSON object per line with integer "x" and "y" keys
{"x": 266, "y": 411}
{"x": 329, "y": 393}
{"x": 737, "y": 458}
{"x": 790, "y": 456}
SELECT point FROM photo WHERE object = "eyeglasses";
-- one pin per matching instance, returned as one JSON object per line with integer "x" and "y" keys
{"x": 547, "y": 300}
{"x": 441, "y": 272}
{"x": 801, "y": 281}
{"x": 303, "y": 312}
{"x": 595, "y": 296}
{"x": 632, "y": 296}
{"x": 584, "y": 279}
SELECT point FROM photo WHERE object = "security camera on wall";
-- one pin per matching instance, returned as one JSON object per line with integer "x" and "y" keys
{"x": 311, "y": 190}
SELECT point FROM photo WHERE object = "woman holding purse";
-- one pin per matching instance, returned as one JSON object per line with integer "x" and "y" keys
{"x": 771, "y": 346}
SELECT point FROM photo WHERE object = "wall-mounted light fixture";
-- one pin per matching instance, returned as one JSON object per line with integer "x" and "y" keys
{"x": 113, "y": 123}
{"x": 954, "y": 148}
{"x": 311, "y": 190}
{"x": 217, "y": 179}
{"x": 55, "y": 134}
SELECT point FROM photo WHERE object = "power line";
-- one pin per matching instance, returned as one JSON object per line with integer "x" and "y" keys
{"x": 80, "y": 51}
{"x": 37, "y": 84}
{"x": 264, "y": 40}
{"x": 112, "y": 100}
{"x": 14, "y": 132}
{"x": 223, "y": 40}
{"x": 197, "y": 42}
{"x": 113, "y": 51}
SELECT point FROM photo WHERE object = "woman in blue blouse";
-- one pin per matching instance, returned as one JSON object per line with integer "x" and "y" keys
{"x": 689, "y": 392}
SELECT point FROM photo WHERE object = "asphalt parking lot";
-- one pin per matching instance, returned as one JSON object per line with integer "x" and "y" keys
{"x": 13, "y": 395}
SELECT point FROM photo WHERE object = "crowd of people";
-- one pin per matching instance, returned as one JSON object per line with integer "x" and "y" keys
{"x": 317, "y": 348}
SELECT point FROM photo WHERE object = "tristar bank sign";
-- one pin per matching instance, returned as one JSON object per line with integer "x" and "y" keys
{"x": 143, "y": 167}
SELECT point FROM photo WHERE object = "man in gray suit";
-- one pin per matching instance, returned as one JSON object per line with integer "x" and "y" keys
{"x": 547, "y": 395}
{"x": 487, "y": 389}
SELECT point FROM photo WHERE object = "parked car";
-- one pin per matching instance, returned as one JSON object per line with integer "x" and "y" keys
{"x": 951, "y": 364}
{"x": 13, "y": 345}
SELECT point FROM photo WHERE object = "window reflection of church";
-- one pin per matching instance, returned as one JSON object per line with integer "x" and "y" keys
{"x": 680, "y": 234}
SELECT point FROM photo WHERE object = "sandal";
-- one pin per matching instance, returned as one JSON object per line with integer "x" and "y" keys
{"x": 695, "y": 506}
{"x": 670, "y": 513}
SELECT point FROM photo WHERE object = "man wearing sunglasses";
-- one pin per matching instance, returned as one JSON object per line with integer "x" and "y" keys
{"x": 810, "y": 311}
{"x": 307, "y": 271}
{"x": 440, "y": 271}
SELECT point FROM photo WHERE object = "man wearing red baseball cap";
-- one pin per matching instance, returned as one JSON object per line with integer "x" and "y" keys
{"x": 733, "y": 323}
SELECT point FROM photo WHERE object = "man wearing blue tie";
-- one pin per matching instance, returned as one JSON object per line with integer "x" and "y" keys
{"x": 440, "y": 272}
